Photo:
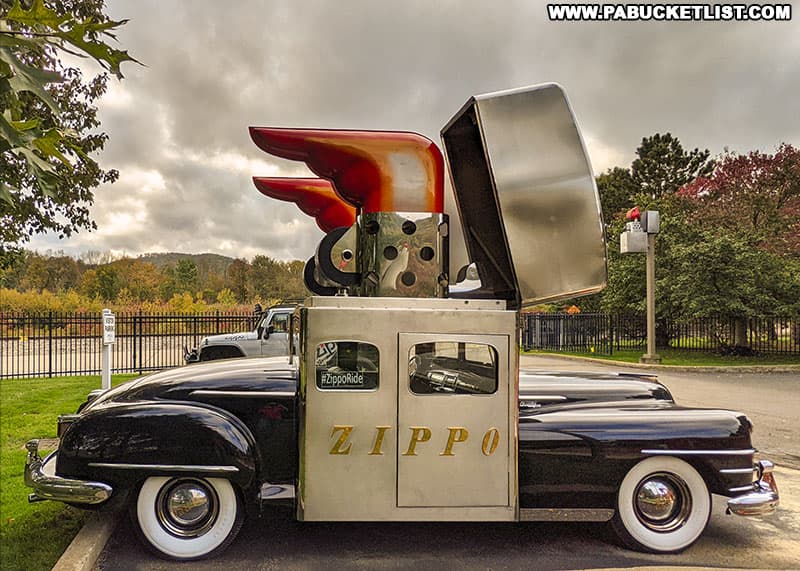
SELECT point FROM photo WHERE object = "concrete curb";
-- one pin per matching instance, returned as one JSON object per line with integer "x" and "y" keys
{"x": 676, "y": 368}
{"x": 82, "y": 553}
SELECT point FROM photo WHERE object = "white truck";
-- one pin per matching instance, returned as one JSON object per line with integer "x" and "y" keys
{"x": 269, "y": 339}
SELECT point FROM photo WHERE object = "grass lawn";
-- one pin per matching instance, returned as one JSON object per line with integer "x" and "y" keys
{"x": 33, "y": 536}
{"x": 686, "y": 358}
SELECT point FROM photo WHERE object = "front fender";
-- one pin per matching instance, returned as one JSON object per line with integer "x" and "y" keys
{"x": 122, "y": 443}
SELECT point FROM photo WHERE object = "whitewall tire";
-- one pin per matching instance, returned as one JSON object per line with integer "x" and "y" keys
{"x": 186, "y": 518}
{"x": 663, "y": 506}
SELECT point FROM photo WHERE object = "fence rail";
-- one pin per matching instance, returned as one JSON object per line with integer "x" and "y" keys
{"x": 605, "y": 333}
{"x": 52, "y": 344}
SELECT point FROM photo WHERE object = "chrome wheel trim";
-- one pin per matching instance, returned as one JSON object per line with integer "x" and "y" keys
{"x": 187, "y": 508}
{"x": 662, "y": 502}
{"x": 628, "y": 524}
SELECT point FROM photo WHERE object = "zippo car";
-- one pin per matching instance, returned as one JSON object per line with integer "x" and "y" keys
{"x": 269, "y": 339}
{"x": 401, "y": 398}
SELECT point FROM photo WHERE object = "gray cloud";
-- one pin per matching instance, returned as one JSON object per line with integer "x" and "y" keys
{"x": 214, "y": 69}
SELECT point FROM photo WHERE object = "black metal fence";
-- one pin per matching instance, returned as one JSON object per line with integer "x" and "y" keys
{"x": 605, "y": 333}
{"x": 52, "y": 344}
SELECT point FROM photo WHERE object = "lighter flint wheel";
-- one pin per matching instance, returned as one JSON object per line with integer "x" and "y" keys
{"x": 187, "y": 518}
{"x": 663, "y": 506}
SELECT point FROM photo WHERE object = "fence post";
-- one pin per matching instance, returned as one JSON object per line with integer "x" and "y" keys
{"x": 139, "y": 340}
{"x": 133, "y": 341}
{"x": 50, "y": 344}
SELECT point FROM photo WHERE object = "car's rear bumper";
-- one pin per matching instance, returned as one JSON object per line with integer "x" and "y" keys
{"x": 764, "y": 497}
{"x": 40, "y": 475}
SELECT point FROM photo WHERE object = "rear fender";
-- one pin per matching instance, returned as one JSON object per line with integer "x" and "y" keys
{"x": 123, "y": 443}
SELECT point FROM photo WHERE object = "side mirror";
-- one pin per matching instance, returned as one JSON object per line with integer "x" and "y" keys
{"x": 270, "y": 331}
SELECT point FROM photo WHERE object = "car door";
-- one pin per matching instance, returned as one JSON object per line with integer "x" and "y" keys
{"x": 275, "y": 336}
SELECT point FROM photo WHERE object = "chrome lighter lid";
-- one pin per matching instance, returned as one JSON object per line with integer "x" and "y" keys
{"x": 526, "y": 195}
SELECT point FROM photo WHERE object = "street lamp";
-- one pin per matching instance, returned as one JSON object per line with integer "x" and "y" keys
{"x": 640, "y": 236}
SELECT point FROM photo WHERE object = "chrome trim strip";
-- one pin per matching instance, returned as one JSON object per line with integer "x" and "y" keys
{"x": 737, "y": 470}
{"x": 747, "y": 488}
{"x": 245, "y": 394}
{"x": 547, "y": 398}
{"x": 707, "y": 452}
{"x": 565, "y": 514}
{"x": 165, "y": 467}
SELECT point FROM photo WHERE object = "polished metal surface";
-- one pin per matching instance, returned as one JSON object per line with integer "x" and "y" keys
{"x": 667, "y": 452}
{"x": 656, "y": 499}
{"x": 738, "y": 470}
{"x": 187, "y": 508}
{"x": 166, "y": 467}
{"x": 526, "y": 195}
{"x": 565, "y": 514}
{"x": 40, "y": 475}
{"x": 763, "y": 498}
{"x": 663, "y": 502}
{"x": 472, "y": 475}
{"x": 352, "y": 443}
{"x": 403, "y": 254}
{"x": 242, "y": 394}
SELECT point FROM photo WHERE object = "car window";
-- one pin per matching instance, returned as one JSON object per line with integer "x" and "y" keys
{"x": 347, "y": 365}
{"x": 280, "y": 323}
{"x": 452, "y": 368}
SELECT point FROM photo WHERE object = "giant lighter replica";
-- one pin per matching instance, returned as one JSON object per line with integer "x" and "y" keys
{"x": 401, "y": 397}
{"x": 403, "y": 378}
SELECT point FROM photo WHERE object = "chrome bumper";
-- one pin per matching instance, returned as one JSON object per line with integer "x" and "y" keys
{"x": 41, "y": 476}
{"x": 764, "y": 498}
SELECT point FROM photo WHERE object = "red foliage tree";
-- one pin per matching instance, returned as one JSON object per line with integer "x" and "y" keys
{"x": 757, "y": 194}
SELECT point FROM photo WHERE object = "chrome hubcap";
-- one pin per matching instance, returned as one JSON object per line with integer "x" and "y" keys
{"x": 187, "y": 507}
{"x": 662, "y": 502}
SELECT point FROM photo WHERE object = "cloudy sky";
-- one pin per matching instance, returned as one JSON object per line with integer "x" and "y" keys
{"x": 178, "y": 127}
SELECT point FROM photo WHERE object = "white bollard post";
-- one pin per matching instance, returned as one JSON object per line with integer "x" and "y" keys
{"x": 109, "y": 330}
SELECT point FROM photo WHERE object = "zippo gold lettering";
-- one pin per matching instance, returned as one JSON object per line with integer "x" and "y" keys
{"x": 376, "y": 448}
{"x": 418, "y": 434}
{"x": 339, "y": 445}
{"x": 490, "y": 441}
{"x": 457, "y": 434}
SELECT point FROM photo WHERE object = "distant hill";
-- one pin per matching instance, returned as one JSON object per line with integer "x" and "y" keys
{"x": 206, "y": 263}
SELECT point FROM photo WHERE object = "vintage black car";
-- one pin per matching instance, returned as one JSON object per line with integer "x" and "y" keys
{"x": 400, "y": 397}
{"x": 188, "y": 448}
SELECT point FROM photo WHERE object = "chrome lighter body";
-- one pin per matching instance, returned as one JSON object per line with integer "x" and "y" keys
{"x": 386, "y": 446}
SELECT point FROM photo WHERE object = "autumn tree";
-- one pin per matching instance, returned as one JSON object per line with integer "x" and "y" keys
{"x": 237, "y": 279}
{"x": 757, "y": 195}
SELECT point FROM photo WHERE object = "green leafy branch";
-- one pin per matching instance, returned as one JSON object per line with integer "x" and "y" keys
{"x": 36, "y": 34}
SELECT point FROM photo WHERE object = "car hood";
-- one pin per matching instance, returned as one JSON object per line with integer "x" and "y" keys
{"x": 222, "y": 338}
{"x": 263, "y": 374}
{"x": 560, "y": 388}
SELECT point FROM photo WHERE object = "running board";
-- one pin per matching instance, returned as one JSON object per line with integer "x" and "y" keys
{"x": 568, "y": 514}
